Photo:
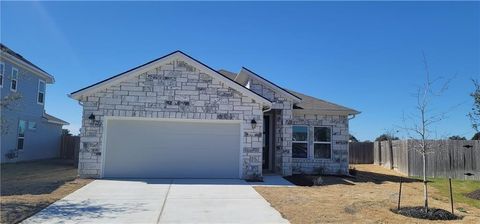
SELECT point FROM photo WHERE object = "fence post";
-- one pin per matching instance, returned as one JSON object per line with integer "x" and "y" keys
{"x": 399, "y": 193}
{"x": 451, "y": 195}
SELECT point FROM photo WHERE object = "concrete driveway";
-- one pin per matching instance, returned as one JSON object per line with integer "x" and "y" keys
{"x": 161, "y": 201}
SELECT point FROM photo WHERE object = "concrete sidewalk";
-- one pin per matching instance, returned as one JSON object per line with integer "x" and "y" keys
{"x": 161, "y": 201}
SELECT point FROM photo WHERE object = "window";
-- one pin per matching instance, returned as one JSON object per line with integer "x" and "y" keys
{"x": 14, "y": 83}
{"x": 2, "y": 71}
{"x": 322, "y": 142}
{"x": 21, "y": 133}
{"x": 41, "y": 92}
{"x": 299, "y": 142}
{"x": 32, "y": 125}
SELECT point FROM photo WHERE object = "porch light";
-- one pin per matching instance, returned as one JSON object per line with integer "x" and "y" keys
{"x": 253, "y": 123}
{"x": 91, "y": 118}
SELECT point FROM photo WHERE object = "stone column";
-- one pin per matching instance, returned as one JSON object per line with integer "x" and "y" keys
{"x": 283, "y": 135}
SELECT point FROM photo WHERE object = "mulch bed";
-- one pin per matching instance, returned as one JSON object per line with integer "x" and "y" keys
{"x": 300, "y": 180}
{"x": 474, "y": 194}
{"x": 432, "y": 214}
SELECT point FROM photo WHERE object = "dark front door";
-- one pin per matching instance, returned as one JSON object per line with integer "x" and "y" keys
{"x": 266, "y": 143}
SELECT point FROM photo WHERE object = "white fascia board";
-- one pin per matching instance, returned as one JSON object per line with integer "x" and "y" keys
{"x": 227, "y": 81}
{"x": 323, "y": 112}
{"x": 267, "y": 83}
{"x": 122, "y": 77}
{"x": 174, "y": 56}
{"x": 48, "y": 78}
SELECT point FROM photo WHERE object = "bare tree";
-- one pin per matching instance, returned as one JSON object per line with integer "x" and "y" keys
{"x": 9, "y": 102}
{"x": 419, "y": 124}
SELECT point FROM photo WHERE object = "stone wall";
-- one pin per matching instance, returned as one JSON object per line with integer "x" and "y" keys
{"x": 283, "y": 128}
{"x": 338, "y": 164}
{"x": 174, "y": 90}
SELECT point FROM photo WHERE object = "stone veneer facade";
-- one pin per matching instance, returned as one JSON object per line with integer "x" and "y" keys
{"x": 175, "y": 90}
{"x": 178, "y": 90}
{"x": 338, "y": 164}
{"x": 283, "y": 125}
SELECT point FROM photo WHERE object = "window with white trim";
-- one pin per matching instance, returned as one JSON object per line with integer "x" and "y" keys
{"x": 322, "y": 142}
{"x": 2, "y": 72}
{"x": 41, "y": 92}
{"x": 14, "y": 80}
{"x": 32, "y": 125}
{"x": 21, "y": 134}
{"x": 300, "y": 141}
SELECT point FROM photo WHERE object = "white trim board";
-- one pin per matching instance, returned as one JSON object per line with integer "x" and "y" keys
{"x": 245, "y": 72}
{"x": 50, "y": 79}
{"x": 177, "y": 55}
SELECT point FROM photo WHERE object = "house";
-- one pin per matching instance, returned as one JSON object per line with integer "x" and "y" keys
{"x": 28, "y": 132}
{"x": 175, "y": 117}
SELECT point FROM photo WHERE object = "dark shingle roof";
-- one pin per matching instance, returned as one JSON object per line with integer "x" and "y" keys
{"x": 312, "y": 103}
{"x": 5, "y": 49}
{"x": 228, "y": 74}
{"x": 54, "y": 119}
{"x": 307, "y": 102}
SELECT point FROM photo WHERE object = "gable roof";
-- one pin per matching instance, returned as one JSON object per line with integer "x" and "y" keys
{"x": 241, "y": 77}
{"x": 308, "y": 104}
{"x": 314, "y": 105}
{"x": 8, "y": 53}
{"x": 160, "y": 61}
{"x": 53, "y": 119}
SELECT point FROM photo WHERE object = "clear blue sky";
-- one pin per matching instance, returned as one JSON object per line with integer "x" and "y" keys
{"x": 367, "y": 56}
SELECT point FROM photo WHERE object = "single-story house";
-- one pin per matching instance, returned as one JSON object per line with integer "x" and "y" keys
{"x": 175, "y": 117}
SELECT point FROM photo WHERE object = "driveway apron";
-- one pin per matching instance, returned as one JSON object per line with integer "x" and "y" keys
{"x": 161, "y": 201}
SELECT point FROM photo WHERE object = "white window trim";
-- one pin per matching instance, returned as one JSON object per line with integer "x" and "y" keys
{"x": 306, "y": 142}
{"x": 18, "y": 134}
{"x": 2, "y": 74}
{"x": 330, "y": 142}
{"x": 39, "y": 91}
{"x": 16, "y": 80}
{"x": 30, "y": 127}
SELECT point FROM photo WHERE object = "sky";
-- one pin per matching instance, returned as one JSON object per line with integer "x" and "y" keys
{"x": 363, "y": 55}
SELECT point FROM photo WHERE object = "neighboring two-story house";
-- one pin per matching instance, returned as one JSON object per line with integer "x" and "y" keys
{"x": 27, "y": 131}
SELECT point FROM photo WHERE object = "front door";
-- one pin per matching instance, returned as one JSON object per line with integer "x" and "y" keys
{"x": 266, "y": 143}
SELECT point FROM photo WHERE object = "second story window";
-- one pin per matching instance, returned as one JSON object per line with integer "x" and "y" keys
{"x": 41, "y": 92}
{"x": 2, "y": 71}
{"x": 14, "y": 83}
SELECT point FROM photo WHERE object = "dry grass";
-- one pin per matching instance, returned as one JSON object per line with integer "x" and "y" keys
{"x": 365, "y": 199}
{"x": 28, "y": 187}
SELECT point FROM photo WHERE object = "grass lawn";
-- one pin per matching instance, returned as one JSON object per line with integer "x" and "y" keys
{"x": 460, "y": 188}
{"x": 28, "y": 187}
{"x": 367, "y": 198}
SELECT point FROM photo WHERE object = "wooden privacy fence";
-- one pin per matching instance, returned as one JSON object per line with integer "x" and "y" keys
{"x": 70, "y": 147}
{"x": 448, "y": 158}
{"x": 360, "y": 152}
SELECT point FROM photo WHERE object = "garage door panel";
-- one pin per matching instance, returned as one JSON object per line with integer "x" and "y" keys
{"x": 172, "y": 149}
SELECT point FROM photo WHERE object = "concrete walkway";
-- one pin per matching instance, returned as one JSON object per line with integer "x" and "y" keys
{"x": 161, "y": 201}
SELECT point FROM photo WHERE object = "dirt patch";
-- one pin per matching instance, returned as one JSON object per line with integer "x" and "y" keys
{"x": 474, "y": 194}
{"x": 367, "y": 198}
{"x": 431, "y": 214}
{"x": 28, "y": 187}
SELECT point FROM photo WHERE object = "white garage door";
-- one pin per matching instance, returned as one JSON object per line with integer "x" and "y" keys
{"x": 171, "y": 149}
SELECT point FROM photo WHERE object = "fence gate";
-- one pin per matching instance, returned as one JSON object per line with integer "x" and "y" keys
{"x": 70, "y": 148}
